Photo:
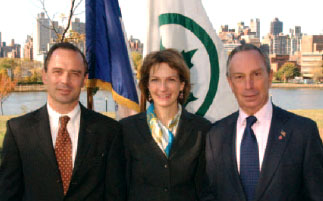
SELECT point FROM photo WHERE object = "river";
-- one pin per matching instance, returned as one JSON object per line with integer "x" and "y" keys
{"x": 287, "y": 98}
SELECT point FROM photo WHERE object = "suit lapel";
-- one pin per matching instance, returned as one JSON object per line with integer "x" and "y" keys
{"x": 229, "y": 155}
{"x": 85, "y": 138}
{"x": 146, "y": 135}
{"x": 274, "y": 150}
{"x": 44, "y": 134}
{"x": 184, "y": 130}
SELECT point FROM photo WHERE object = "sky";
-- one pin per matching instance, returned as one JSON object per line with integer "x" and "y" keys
{"x": 18, "y": 17}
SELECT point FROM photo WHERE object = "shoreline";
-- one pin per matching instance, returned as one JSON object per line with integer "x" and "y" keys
{"x": 293, "y": 85}
{"x": 39, "y": 87}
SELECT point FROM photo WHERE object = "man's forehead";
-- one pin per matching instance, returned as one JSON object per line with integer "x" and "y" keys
{"x": 249, "y": 56}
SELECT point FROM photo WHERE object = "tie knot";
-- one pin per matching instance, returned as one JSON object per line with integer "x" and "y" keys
{"x": 63, "y": 120}
{"x": 251, "y": 120}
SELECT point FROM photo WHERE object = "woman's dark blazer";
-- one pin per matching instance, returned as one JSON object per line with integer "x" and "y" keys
{"x": 150, "y": 174}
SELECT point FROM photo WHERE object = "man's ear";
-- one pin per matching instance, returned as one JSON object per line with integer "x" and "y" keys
{"x": 44, "y": 76}
{"x": 229, "y": 81}
{"x": 85, "y": 79}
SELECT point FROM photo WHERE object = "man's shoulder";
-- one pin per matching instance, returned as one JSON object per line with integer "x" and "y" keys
{"x": 228, "y": 120}
{"x": 289, "y": 117}
{"x": 98, "y": 117}
{"x": 28, "y": 117}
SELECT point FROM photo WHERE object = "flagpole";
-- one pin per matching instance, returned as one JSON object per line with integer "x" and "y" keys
{"x": 89, "y": 99}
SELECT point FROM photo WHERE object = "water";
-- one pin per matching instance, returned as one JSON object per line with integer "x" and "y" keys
{"x": 23, "y": 102}
{"x": 299, "y": 98}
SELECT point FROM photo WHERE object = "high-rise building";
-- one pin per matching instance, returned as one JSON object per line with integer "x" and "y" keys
{"x": 54, "y": 30}
{"x": 255, "y": 27}
{"x": 28, "y": 48}
{"x": 312, "y": 56}
{"x": 295, "y": 36}
{"x": 312, "y": 43}
{"x": 78, "y": 26}
{"x": 276, "y": 27}
{"x": 41, "y": 37}
{"x": 298, "y": 31}
{"x": 240, "y": 27}
{"x": 135, "y": 45}
{"x": 281, "y": 44}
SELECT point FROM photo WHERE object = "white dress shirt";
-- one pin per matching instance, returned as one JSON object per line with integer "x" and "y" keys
{"x": 260, "y": 129}
{"x": 73, "y": 126}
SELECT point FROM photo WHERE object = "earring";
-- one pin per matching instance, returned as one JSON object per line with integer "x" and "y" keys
{"x": 149, "y": 97}
{"x": 181, "y": 95}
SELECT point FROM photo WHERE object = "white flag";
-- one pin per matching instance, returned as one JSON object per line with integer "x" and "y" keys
{"x": 184, "y": 25}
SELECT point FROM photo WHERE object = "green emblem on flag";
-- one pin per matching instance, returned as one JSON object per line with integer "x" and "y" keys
{"x": 205, "y": 39}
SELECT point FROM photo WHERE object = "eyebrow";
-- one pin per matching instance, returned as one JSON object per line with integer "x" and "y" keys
{"x": 172, "y": 76}
{"x": 73, "y": 71}
{"x": 256, "y": 70}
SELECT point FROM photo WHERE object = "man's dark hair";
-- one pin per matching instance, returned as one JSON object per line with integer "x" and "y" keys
{"x": 248, "y": 47}
{"x": 66, "y": 46}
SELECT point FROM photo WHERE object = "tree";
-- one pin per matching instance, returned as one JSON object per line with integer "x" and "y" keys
{"x": 61, "y": 36}
{"x": 287, "y": 71}
{"x": 6, "y": 63}
{"x": 318, "y": 73}
{"x": 137, "y": 61}
{"x": 6, "y": 87}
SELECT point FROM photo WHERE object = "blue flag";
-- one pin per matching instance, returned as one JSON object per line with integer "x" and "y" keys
{"x": 107, "y": 54}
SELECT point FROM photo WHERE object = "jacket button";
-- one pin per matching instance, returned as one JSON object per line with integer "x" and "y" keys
{"x": 165, "y": 166}
{"x": 165, "y": 189}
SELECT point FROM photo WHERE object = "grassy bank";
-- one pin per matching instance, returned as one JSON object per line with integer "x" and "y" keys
{"x": 316, "y": 115}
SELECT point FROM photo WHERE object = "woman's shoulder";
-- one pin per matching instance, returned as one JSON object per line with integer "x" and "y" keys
{"x": 196, "y": 119}
{"x": 132, "y": 118}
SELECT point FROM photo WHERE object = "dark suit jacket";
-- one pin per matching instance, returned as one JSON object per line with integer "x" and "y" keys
{"x": 29, "y": 169}
{"x": 150, "y": 174}
{"x": 292, "y": 168}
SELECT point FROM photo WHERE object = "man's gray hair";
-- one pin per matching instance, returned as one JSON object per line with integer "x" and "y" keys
{"x": 248, "y": 47}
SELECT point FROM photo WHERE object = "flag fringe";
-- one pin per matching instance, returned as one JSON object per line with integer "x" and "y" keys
{"x": 92, "y": 83}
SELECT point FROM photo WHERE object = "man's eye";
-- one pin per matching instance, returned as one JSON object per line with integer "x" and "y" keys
{"x": 257, "y": 73}
{"x": 238, "y": 77}
{"x": 76, "y": 74}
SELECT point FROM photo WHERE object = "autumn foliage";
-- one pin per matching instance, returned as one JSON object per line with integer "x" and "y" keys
{"x": 6, "y": 87}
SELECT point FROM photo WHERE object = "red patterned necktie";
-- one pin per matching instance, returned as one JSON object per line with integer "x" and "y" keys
{"x": 63, "y": 152}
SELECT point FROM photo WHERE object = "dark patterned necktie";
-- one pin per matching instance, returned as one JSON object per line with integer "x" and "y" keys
{"x": 63, "y": 152}
{"x": 249, "y": 160}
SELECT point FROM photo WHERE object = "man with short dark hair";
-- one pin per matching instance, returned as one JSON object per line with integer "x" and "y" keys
{"x": 61, "y": 151}
{"x": 261, "y": 152}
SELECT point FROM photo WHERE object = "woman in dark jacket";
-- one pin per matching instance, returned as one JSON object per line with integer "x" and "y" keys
{"x": 164, "y": 145}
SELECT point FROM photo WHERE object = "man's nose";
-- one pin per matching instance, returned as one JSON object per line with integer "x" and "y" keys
{"x": 249, "y": 82}
{"x": 65, "y": 77}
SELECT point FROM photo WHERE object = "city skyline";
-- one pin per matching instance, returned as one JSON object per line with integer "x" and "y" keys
{"x": 13, "y": 26}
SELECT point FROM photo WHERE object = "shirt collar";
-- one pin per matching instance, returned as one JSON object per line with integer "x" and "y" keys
{"x": 72, "y": 114}
{"x": 264, "y": 114}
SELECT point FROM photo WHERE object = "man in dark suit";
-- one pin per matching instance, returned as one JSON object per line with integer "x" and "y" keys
{"x": 61, "y": 151}
{"x": 261, "y": 152}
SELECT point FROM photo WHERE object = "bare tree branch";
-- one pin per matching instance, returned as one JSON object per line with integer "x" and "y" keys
{"x": 61, "y": 36}
{"x": 69, "y": 20}
{"x": 42, "y": 2}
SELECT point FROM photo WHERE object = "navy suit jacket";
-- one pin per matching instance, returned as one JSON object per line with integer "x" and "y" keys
{"x": 29, "y": 169}
{"x": 292, "y": 168}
